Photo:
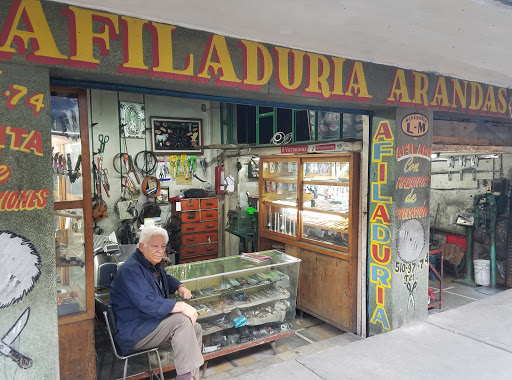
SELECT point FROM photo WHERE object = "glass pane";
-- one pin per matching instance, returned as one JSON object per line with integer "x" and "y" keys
{"x": 67, "y": 149}
{"x": 326, "y": 171}
{"x": 281, "y": 193}
{"x": 280, "y": 170}
{"x": 70, "y": 260}
{"x": 353, "y": 126}
{"x": 325, "y": 228}
{"x": 304, "y": 125}
{"x": 326, "y": 198}
{"x": 328, "y": 125}
{"x": 281, "y": 219}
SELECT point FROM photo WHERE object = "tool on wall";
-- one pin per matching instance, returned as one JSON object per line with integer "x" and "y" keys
{"x": 146, "y": 162}
{"x": 99, "y": 207}
{"x": 73, "y": 176}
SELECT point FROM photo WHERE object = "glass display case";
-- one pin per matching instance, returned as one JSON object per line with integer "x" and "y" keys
{"x": 72, "y": 206}
{"x": 241, "y": 299}
{"x": 322, "y": 212}
{"x": 279, "y": 195}
{"x": 70, "y": 261}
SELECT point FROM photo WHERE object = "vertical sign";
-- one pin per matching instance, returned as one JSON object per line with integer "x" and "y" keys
{"x": 381, "y": 202}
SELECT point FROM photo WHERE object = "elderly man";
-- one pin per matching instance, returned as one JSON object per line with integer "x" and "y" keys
{"x": 146, "y": 317}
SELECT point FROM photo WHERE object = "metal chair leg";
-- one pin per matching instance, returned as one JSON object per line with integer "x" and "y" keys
{"x": 159, "y": 365}
{"x": 125, "y": 371}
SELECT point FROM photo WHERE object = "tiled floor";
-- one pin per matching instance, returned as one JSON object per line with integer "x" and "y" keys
{"x": 308, "y": 329}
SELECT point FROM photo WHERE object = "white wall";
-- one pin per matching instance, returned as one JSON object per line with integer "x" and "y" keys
{"x": 104, "y": 112}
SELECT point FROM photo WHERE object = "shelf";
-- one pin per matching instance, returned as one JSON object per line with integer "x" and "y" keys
{"x": 326, "y": 228}
{"x": 320, "y": 211}
{"x": 281, "y": 179}
{"x": 325, "y": 183}
{"x": 276, "y": 204}
{"x": 224, "y": 309}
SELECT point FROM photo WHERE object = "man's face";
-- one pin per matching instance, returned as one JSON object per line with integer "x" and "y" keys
{"x": 154, "y": 249}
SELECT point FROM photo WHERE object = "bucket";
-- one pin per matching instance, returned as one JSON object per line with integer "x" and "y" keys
{"x": 483, "y": 272}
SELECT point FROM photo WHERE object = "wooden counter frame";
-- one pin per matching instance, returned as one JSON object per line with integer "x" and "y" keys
{"x": 330, "y": 272}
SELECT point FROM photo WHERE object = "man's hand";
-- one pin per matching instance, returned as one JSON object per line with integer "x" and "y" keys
{"x": 184, "y": 293}
{"x": 189, "y": 311}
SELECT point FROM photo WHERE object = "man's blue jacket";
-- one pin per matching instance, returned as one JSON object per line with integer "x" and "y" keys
{"x": 138, "y": 301}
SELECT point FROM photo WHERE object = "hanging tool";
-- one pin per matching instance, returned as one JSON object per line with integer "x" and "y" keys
{"x": 76, "y": 172}
{"x": 191, "y": 166}
{"x": 106, "y": 185}
{"x": 173, "y": 162}
{"x": 202, "y": 162}
{"x": 128, "y": 164}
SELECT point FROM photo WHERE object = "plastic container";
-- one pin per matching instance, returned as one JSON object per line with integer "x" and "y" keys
{"x": 483, "y": 272}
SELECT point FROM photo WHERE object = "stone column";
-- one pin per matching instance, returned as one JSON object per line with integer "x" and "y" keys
{"x": 27, "y": 245}
{"x": 399, "y": 218}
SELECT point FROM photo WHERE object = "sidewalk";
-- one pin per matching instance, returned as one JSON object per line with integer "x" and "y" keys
{"x": 473, "y": 341}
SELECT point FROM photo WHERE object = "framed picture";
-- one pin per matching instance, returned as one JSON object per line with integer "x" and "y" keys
{"x": 163, "y": 197}
{"x": 173, "y": 136}
{"x": 133, "y": 121}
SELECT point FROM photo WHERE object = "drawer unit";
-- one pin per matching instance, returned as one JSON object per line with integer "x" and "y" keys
{"x": 209, "y": 215}
{"x": 199, "y": 229}
{"x": 189, "y": 204}
{"x": 190, "y": 216}
{"x": 199, "y": 250}
{"x": 212, "y": 203}
{"x": 188, "y": 228}
{"x": 199, "y": 238}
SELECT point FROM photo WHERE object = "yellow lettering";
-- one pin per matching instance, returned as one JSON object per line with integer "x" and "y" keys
{"x": 163, "y": 59}
{"x": 477, "y": 97}
{"x": 357, "y": 83}
{"x": 398, "y": 92}
{"x": 82, "y": 38}
{"x": 317, "y": 73}
{"x": 282, "y": 55}
{"x": 420, "y": 89}
{"x": 490, "y": 101}
{"x": 502, "y": 102}
{"x": 255, "y": 53}
{"x": 440, "y": 97}
{"x": 133, "y": 58}
{"x": 459, "y": 94}
{"x": 37, "y": 32}
{"x": 337, "y": 78}
{"x": 221, "y": 67}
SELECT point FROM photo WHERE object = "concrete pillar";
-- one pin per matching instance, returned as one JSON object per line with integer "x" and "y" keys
{"x": 398, "y": 218}
{"x": 28, "y": 297}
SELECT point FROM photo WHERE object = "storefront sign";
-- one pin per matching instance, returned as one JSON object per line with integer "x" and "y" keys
{"x": 33, "y": 31}
{"x": 415, "y": 125}
{"x": 294, "y": 149}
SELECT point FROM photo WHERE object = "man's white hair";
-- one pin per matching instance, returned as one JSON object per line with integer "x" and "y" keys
{"x": 148, "y": 232}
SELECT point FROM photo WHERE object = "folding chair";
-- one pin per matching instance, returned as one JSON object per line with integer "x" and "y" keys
{"x": 110, "y": 322}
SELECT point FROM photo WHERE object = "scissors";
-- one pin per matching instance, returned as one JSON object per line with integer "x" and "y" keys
{"x": 6, "y": 342}
{"x": 103, "y": 141}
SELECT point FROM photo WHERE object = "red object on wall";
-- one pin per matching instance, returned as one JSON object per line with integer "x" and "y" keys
{"x": 220, "y": 181}
{"x": 459, "y": 240}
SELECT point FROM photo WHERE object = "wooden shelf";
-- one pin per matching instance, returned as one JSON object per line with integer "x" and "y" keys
{"x": 326, "y": 228}
{"x": 338, "y": 213}
{"x": 324, "y": 183}
{"x": 280, "y": 179}
{"x": 274, "y": 204}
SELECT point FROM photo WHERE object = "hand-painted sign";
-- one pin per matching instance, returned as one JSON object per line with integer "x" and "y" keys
{"x": 157, "y": 50}
{"x": 415, "y": 125}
